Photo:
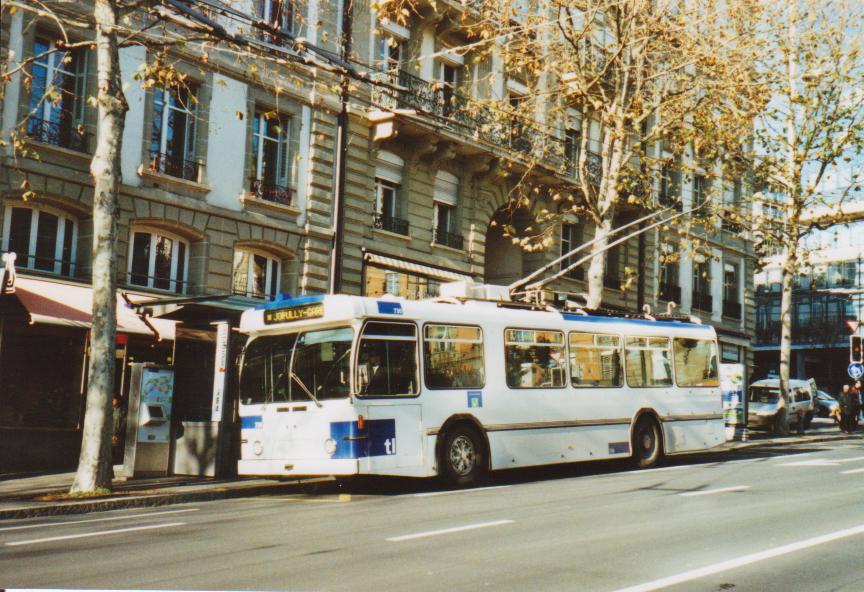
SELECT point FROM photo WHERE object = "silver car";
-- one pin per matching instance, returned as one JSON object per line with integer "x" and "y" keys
{"x": 764, "y": 395}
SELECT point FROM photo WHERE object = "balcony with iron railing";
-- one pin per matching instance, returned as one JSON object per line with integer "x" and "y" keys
{"x": 670, "y": 293}
{"x": 62, "y": 135}
{"x": 278, "y": 194}
{"x": 175, "y": 166}
{"x": 40, "y": 262}
{"x": 391, "y": 224}
{"x": 732, "y": 309}
{"x": 508, "y": 131}
{"x": 448, "y": 239}
{"x": 703, "y": 301}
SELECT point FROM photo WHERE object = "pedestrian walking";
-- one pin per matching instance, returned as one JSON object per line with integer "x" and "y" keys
{"x": 844, "y": 398}
{"x": 855, "y": 406}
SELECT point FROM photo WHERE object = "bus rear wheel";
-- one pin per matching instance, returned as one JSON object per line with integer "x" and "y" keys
{"x": 646, "y": 445}
{"x": 462, "y": 457}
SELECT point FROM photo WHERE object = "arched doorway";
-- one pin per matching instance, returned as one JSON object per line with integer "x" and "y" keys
{"x": 504, "y": 262}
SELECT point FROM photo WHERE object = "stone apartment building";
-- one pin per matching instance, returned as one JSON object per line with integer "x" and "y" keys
{"x": 228, "y": 189}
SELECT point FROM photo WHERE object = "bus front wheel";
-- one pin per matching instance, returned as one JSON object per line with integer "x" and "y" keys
{"x": 462, "y": 457}
{"x": 646, "y": 443}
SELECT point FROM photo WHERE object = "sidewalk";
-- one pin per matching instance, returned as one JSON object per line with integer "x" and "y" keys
{"x": 28, "y": 496}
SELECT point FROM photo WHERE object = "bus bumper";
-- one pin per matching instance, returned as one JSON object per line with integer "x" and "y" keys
{"x": 298, "y": 467}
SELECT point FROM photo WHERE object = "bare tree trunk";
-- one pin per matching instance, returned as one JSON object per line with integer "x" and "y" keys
{"x": 597, "y": 267}
{"x": 94, "y": 463}
{"x": 781, "y": 424}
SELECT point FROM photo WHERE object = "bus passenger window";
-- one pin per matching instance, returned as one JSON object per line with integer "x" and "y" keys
{"x": 595, "y": 360}
{"x": 453, "y": 356}
{"x": 534, "y": 359}
{"x": 387, "y": 360}
{"x": 696, "y": 362}
{"x": 647, "y": 361}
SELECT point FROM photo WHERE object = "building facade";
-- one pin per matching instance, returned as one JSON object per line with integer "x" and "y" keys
{"x": 827, "y": 304}
{"x": 228, "y": 185}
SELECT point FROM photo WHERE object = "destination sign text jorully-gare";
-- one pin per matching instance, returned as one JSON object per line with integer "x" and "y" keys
{"x": 294, "y": 313}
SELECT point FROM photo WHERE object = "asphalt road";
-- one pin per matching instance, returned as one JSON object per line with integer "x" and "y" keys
{"x": 778, "y": 519}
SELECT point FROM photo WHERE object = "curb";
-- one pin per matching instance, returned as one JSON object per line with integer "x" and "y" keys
{"x": 153, "y": 500}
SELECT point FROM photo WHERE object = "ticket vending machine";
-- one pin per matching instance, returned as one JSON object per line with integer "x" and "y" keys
{"x": 148, "y": 421}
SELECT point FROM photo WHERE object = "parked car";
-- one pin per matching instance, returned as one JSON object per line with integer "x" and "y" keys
{"x": 763, "y": 396}
{"x": 827, "y": 406}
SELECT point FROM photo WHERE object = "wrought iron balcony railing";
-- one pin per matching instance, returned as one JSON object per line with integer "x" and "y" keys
{"x": 63, "y": 135}
{"x": 275, "y": 193}
{"x": 732, "y": 309}
{"x": 175, "y": 166}
{"x": 670, "y": 293}
{"x": 448, "y": 239}
{"x": 702, "y": 301}
{"x": 506, "y": 130}
{"x": 391, "y": 224}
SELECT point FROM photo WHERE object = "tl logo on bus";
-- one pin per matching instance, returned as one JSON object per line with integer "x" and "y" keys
{"x": 378, "y": 438}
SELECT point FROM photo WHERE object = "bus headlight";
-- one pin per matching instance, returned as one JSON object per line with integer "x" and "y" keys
{"x": 330, "y": 446}
{"x": 257, "y": 448}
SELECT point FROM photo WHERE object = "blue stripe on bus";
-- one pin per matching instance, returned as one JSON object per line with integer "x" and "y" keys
{"x": 589, "y": 319}
{"x": 251, "y": 422}
{"x": 378, "y": 438}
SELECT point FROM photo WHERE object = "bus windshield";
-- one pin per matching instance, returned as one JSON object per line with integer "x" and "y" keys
{"x": 285, "y": 368}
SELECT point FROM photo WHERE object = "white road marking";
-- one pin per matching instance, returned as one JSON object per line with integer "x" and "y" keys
{"x": 712, "y": 491}
{"x": 430, "y": 533}
{"x": 46, "y": 524}
{"x": 434, "y": 493}
{"x": 92, "y": 534}
{"x": 816, "y": 462}
{"x": 852, "y": 471}
{"x": 708, "y": 570}
{"x": 853, "y": 459}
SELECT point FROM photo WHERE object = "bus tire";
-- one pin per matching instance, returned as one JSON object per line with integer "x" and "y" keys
{"x": 646, "y": 445}
{"x": 462, "y": 457}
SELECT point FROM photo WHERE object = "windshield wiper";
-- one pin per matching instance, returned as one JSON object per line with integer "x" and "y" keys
{"x": 306, "y": 390}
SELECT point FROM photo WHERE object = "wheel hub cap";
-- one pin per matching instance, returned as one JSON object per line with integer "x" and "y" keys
{"x": 462, "y": 456}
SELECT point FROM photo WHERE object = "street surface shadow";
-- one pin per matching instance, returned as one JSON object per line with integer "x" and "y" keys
{"x": 392, "y": 486}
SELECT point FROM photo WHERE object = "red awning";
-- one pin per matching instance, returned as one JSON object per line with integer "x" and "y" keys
{"x": 57, "y": 302}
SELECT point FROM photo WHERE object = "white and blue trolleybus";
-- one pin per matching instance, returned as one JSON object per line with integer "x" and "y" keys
{"x": 458, "y": 386}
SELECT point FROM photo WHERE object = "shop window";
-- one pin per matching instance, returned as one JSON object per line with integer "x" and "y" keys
{"x": 647, "y": 361}
{"x": 58, "y": 92}
{"x": 158, "y": 260}
{"x": 696, "y": 362}
{"x": 387, "y": 360}
{"x": 255, "y": 275}
{"x": 273, "y": 151}
{"x": 173, "y": 135}
{"x": 534, "y": 358}
{"x": 380, "y": 281}
{"x": 42, "y": 240}
{"x": 32, "y": 397}
{"x": 595, "y": 360}
{"x": 453, "y": 355}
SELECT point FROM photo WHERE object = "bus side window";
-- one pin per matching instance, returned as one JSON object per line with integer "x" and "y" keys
{"x": 534, "y": 358}
{"x": 647, "y": 361}
{"x": 387, "y": 360}
{"x": 453, "y": 356}
{"x": 595, "y": 360}
{"x": 695, "y": 362}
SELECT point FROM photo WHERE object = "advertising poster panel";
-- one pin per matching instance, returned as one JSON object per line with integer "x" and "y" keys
{"x": 732, "y": 385}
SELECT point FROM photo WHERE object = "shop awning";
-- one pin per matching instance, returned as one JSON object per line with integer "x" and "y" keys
{"x": 411, "y": 267}
{"x": 56, "y": 302}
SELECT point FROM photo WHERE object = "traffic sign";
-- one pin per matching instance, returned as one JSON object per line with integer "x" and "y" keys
{"x": 856, "y": 371}
{"x": 853, "y": 325}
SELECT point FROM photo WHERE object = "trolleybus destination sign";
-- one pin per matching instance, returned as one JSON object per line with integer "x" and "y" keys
{"x": 293, "y": 313}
